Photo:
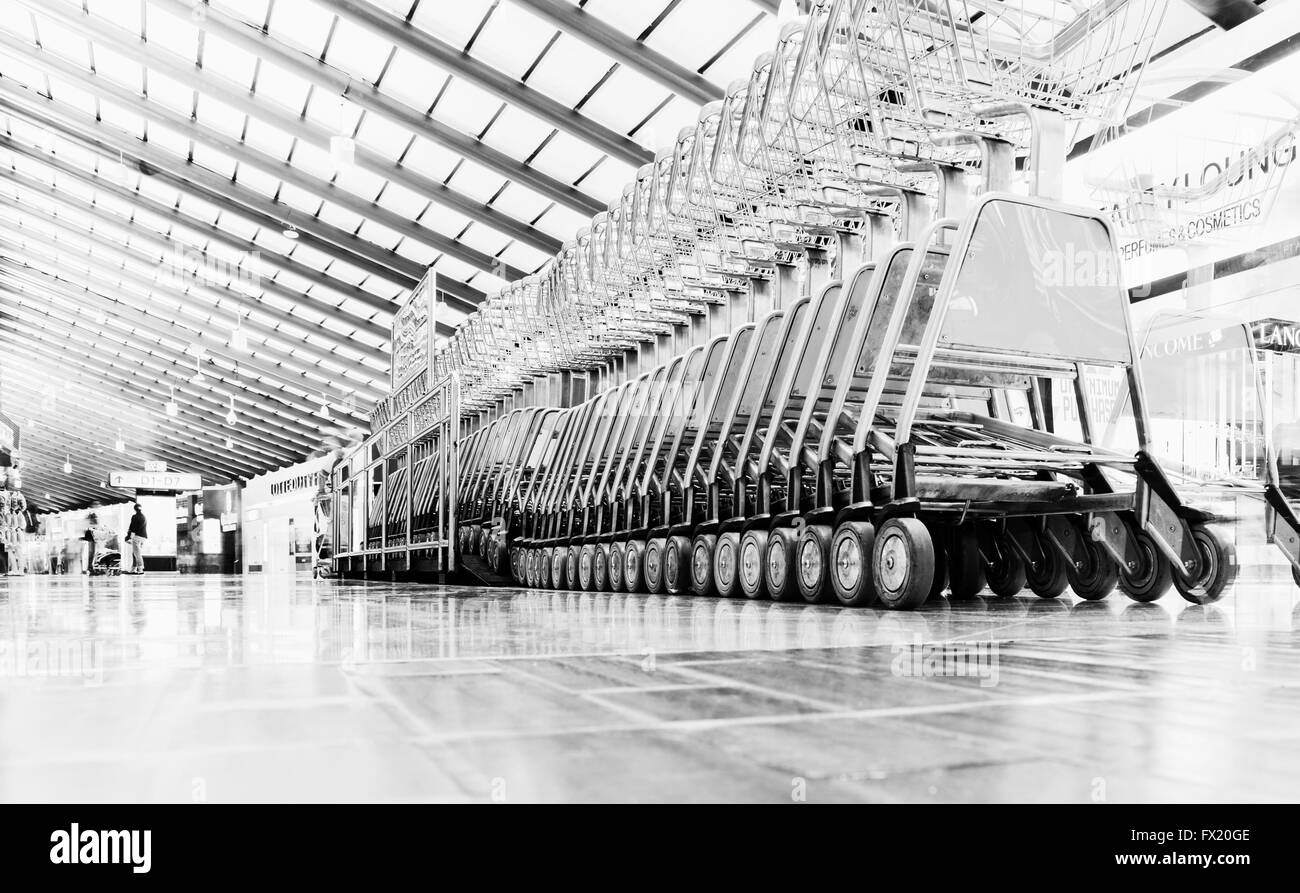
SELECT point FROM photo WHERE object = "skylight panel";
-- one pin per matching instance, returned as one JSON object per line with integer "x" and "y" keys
{"x": 63, "y": 42}
{"x": 170, "y": 93}
{"x": 480, "y": 238}
{"x": 302, "y": 24}
{"x": 314, "y": 161}
{"x": 246, "y": 10}
{"x": 520, "y": 202}
{"x": 228, "y": 60}
{"x": 476, "y": 182}
{"x": 458, "y": 270}
{"x": 121, "y": 119}
{"x": 72, "y": 96}
{"x": 738, "y": 61}
{"x": 561, "y": 222}
{"x": 569, "y": 70}
{"x": 516, "y": 132}
{"x": 444, "y": 220}
{"x": 299, "y": 199}
{"x": 623, "y": 101}
{"x": 382, "y": 137}
{"x": 606, "y": 182}
{"x": 119, "y": 69}
{"x": 696, "y": 29}
{"x": 359, "y": 182}
{"x": 416, "y": 251}
{"x": 268, "y": 140}
{"x": 161, "y": 137}
{"x": 566, "y": 157}
{"x": 178, "y": 35}
{"x": 525, "y": 257}
{"x": 630, "y": 18}
{"x": 17, "y": 70}
{"x": 412, "y": 80}
{"x": 660, "y": 131}
{"x": 216, "y": 115}
{"x": 214, "y": 160}
{"x": 452, "y": 22}
{"x": 283, "y": 87}
{"x": 400, "y": 200}
{"x": 379, "y": 234}
{"x": 430, "y": 159}
{"x": 258, "y": 180}
{"x": 466, "y": 107}
{"x": 512, "y": 39}
{"x": 357, "y": 51}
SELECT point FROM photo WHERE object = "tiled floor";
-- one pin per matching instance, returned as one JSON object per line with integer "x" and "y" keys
{"x": 177, "y": 688}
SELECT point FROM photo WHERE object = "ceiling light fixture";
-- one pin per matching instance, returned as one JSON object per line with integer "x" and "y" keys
{"x": 324, "y": 411}
{"x": 198, "y": 372}
{"x": 231, "y": 417}
{"x": 67, "y": 465}
{"x": 173, "y": 410}
{"x": 119, "y": 444}
{"x": 230, "y": 444}
{"x": 290, "y": 231}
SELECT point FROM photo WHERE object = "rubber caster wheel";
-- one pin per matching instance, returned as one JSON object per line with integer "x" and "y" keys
{"x": 851, "y": 550}
{"x": 653, "y": 566}
{"x": 726, "y": 565}
{"x": 633, "y": 566}
{"x": 599, "y": 569}
{"x": 1097, "y": 578}
{"x": 701, "y": 561}
{"x": 1152, "y": 577}
{"x": 778, "y": 564}
{"x": 1050, "y": 578}
{"x": 559, "y": 558}
{"x": 586, "y": 557}
{"x": 676, "y": 560}
{"x": 572, "y": 556}
{"x": 1004, "y": 569}
{"x": 812, "y": 563}
{"x": 1218, "y": 567}
{"x": 750, "y": 566}
{"x": 965, "y": 565}
{"x": 903, "y": 564}
{"x": 616, "y": 567}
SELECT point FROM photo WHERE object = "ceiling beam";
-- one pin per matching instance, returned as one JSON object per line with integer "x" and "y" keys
{"x": 287, "y": 413}
{"x": 29, "y": 399}
{"x": 625, "y": 49}
{"x": 177, "y": 217}
{"x": 263, "y": 46}
{"x": 226, "y": 91}
{"x": 243, "y": 154}
{"x": 322, "y": 311}
{"x": 1227, "y": 14}
{"x": 187, "y": 303}
{"x": 287, "y": 374}
{"x": 132, "y": 379}
{"x": 187, "y": 177}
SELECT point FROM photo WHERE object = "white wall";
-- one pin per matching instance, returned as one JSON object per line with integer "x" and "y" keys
{"x": 266, "y": 514}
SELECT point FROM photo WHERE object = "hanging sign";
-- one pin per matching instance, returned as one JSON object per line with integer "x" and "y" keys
{"x": 166, "y": 481}
{"x": 1278, "y": 335}
{"x": 155, "y": 466}
{"x": 413, "y": 334}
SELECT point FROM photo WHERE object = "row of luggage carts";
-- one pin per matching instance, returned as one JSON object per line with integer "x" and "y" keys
{"x": 957, "y": 403}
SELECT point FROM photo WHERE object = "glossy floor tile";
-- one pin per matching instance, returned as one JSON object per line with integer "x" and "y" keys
{"x": 228, "y": 689}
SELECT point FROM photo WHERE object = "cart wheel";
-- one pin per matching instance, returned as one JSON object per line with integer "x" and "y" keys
{"x": 903, "y": 563}
{"x": 557, "y": 556}
{"x": 615, "y": 553}
{"x": 586, "y": 555}
{"x": 1005, "y": 571}
{"x": 965, "y": 565}
{"x": 778, "y": 564}
{"x": 1295, "y": 574}
{"x": 702, "y": 564}
{"x": 750, "y": 566}
{"x": 653, "y": 566}
{"x": 1097, "y": 580}
{"x": 1051, "y": 577}
{"x": 1153, "y": 576}
{"x": 572, "y": 558}
{"x": 851, "y": 550}
{"x": 633, "y": 566}
{"x": 726, "y": 570}
{"x": 676, "y": 560}
{"x": 544, "y": 568}
{"x": 475, "y": 531}
{"x": 812, "y": 563}
{"x": 1219, "y": 563}
{"x": 599, "y": 569}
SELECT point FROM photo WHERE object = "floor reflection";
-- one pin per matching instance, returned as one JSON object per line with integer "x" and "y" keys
{"x": 272, "y": 688}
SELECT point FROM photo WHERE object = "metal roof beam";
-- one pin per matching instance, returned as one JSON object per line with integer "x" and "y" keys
{"x": 286, "y": 373}
{"x": 289, "y": 413}
{"x": 43, "y": 112}
{"x": 187, "y": 303}
{"x": 385, "y": 25}
{"x": 242, "y": 153}
{"x": 178, "y": 217}
{"x": 196, "y": 459}
{"x": 627, "y": 50}
{"x": 263, "y": 46}
{"x": 226, "y": 91}
{"x": 269, "y": 286}
{"x": 272, "y": 445}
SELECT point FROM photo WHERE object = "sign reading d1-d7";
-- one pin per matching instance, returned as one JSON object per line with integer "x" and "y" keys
{"x": 154, "y": 480}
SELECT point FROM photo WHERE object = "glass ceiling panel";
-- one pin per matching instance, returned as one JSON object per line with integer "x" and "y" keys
{"x": 283, "y": 87}
{"x": 569, "y": 70}
{"x": 516, "y": 133}
{"x": 178, "y": 35}
{"x": 466, "y": 107}
{"x": 302, "y": 24}
{"x": 400, "y": 200}
{"x": 63, "y": 42}
{"x": 696, "y": 29}
{"x": 630, "y": 18}
{"x": 382, "y": 137}
{"x": 268, "y": 140}
{"x": 430, "y": 159}
{"x": 214, "y": 160}
{"x": 412, "y": 80}
{"x": 476, "y": 182}
{"x": 248, "y": 10}
{"x": 358, "y": 51}
{"x": 121, "y": 70}
{"x": 624, "y": 100}
{"x": 512, "y": 39}
{"x": 453, "y": 22}
{"x": 566, "y": 158}
{"x": 217, "y": 116}
{"x": 358, "y": 181}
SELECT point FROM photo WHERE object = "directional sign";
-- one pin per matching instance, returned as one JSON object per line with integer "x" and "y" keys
{"x": 155, "y": 466}
{"x": 152, "y": 480}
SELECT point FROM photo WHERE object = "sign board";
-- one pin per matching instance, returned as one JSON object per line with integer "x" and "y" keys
{"x": 229, "y": 521}
{"x": 315, "y": 480}
{"x": 1278, "y": 335}
{"x": 413, "y": 333}
{"x": 172, "y": 481}
{"x": 8, "y": 435}
{"x": 155, "y": 466}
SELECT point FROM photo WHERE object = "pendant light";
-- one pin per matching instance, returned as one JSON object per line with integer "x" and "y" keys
{"x": 173, "y": 410}
{"x": 67, "y": 464}
{"x": 231, "y": 417}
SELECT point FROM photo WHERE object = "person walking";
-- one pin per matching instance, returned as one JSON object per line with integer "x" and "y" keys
{"x": 136, "y": 535}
